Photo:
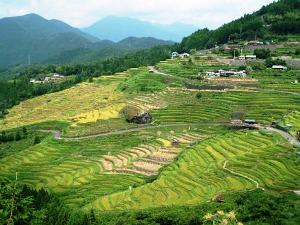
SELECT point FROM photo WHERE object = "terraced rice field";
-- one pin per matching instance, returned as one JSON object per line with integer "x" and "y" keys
{"x": 217, "y": 107}
{"x": 293, "y": 119}
{"x": 186, "y": 68}
{"x": 198, "y": 175}
{"x": 185, "y": 146}
{"x": 63, "y": 105}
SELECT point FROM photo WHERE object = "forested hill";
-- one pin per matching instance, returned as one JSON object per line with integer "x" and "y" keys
{"x": 103, "y": 50}
{"x": 32, "y": 38}
{"x": 276, "y": 19}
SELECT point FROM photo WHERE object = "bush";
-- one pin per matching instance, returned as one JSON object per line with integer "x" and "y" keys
{"x": 199, "y": 95}
{"x": 257, "y": 65}
{"x": 270, "y": 62}
{"x": 262, "y": 53}
{"x": 297, "y": 51}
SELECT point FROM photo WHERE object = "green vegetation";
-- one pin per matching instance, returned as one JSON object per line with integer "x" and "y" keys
{"x": 278, "y": 18}
{"x": 194, "y": 163}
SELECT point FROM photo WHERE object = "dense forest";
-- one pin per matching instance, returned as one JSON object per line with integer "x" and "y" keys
{"x": 23, "y": 205}
{"x": 19, "y": 88}
{"x": 270, "y": 22}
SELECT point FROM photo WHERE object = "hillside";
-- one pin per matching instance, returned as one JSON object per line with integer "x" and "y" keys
{"x": 102, "y": 50}
{"x": 118, "y": 28}
{"x": 146, "y": 138}
{"x": 31, "y": 37}
{"x": 269, "y": 23}
{"x": 35, "y": 36}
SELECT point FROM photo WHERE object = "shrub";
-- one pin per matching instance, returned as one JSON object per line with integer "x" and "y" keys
{"x": 199, "y": 95}
{"x": 257, "y": 65}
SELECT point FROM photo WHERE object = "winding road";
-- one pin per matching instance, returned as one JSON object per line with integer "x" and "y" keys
{"x": 58, "y": 136}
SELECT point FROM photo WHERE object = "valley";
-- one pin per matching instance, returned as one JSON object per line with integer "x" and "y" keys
{"x": 98, "y": 160}
{"x": 137, "y": 130}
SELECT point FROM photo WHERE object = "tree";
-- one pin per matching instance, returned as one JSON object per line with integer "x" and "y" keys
{"x": 18, "y": 136}
{"x": 262, "y": 53}
{"x": 270, "y": 62}
{"x": 36, "y": 140}
{"x": 25, "y": 133}
{"x": 17, "y": 207}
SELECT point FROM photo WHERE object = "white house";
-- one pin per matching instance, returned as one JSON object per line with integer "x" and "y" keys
{"x": 279, "y": 67}
{"x": 250, "y": 57}
{"x": 224, "y": 73}
{"x": 212, "y": 74}
{"x": 175, "y": 54}
{"x": 242, "y": 57}
{"x": 185, "y": 55}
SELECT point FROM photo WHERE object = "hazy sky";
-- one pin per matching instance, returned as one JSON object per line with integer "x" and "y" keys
{"x": 81, "y": 13}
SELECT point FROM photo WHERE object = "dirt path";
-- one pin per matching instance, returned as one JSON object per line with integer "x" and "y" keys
{"x": 241, "y": 175}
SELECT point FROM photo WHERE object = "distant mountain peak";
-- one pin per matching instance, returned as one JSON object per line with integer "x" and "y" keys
{"x": 117, "y": 28}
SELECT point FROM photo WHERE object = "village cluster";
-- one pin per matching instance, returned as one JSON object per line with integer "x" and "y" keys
{"x": 54, "y": 77}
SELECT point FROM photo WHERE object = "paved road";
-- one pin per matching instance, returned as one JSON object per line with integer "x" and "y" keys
{"x": 57, "y": 134}
{"x": 291, "y": 139}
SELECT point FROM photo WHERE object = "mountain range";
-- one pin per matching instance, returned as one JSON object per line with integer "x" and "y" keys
{"x": 34, "y": 39}
{"x": 117, "y": 28}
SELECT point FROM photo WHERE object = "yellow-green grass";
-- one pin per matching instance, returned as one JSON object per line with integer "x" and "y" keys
{"x": 198, "y": 174}
{"x": 63, "y": 105}
{"x": 293, "y": 119}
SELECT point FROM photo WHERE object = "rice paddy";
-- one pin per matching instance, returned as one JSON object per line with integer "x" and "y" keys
{"x": 184, "y": 149}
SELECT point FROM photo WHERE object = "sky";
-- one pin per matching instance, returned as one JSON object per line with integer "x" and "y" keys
{"x": 82, "y": 13}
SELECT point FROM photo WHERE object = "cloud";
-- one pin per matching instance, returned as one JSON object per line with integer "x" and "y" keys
{"x": 202, "y": 13}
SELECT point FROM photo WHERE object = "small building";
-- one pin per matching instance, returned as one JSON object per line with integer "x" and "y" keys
{"x": 242, "y": 57}
{"x": 56, "y": 76}
{"x": 250, "y": 121}
{"x": 279, "y": 67}
{"x": 242, "y": 74}
{"x": 185, "y": 55}
{"x": 250, "y": 57}
{"x": 212, "y": 74}
{"x": 175, "y": 55}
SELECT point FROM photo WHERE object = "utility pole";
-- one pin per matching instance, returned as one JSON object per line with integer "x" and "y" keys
{"x": 29, "y": 60}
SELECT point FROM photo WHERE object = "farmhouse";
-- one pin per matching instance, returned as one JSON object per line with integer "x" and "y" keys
{"x": 56, "y": 76}
{"x": 254, "y": 43}
{"x": 224, "y": 73}
{"x": 250, "y": 57}
{"x": 279, "y": 67}
{"x": 175, "y": 55}
{"x": 250, "y": 121}
{"x": 185, "y": 55}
